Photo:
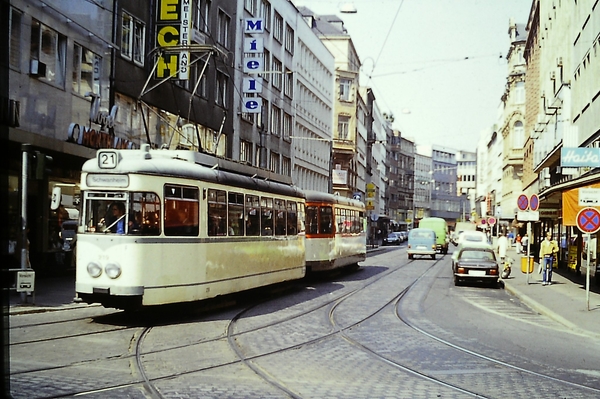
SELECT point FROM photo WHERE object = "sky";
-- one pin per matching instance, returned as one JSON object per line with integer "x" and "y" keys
{"x": 439, "y": 66}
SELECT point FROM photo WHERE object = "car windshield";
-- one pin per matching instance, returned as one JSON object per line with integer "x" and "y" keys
{"x": 421, "y": 234}
{"x": 479, "y": 255}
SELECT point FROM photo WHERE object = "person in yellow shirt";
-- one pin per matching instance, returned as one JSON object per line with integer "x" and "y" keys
{"x": 548, "y": 250}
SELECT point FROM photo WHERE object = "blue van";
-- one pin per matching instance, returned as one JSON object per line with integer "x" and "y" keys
{"x": 421, "y": 242}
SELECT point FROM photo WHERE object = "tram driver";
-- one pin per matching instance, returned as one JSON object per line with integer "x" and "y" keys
{"x": 117, "y": 218}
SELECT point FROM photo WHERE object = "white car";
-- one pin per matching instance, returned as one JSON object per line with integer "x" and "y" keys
{"x": 470, "y": 237}
{"x": 477, "y": 238}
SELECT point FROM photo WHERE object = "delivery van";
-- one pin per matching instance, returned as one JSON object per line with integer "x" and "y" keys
{"x": 440, "y": 227}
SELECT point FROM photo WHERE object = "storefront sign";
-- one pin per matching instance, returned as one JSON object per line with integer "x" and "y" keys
{"x": 580, "y": 157}
{"x": 339, "y": 176}
{"x": 94, "y": 139}
{"x": 253, "y": 64}
{"x": 173, "y": 28}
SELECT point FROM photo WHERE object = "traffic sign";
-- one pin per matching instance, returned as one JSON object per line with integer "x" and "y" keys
{"x": 588, "y": 220}
{"x": 534, "y": 202}
{"x": 491, "y": 221}
{"x": 523, "y": 202}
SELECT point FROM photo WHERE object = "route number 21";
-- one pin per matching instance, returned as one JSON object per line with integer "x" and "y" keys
{"x": 107, "y": 160}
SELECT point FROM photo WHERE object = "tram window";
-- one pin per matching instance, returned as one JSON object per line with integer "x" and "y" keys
{"x": 301, "y": 217}
{"x": 340, "y": 220}
{"x": 252, "y": 215}
{"x": 361, "y": 222}
{"x": 292, "y": 218}
{"x": 122, "y": 213}
{"x": 144, "y": 214}
{"x": 326, "y": 220}
{"x": 266, "y": 218}
{"x": 217, "y": 213}
{"x": 181, "y": 211}
{"x": 312, "y": 219}
{"x": 280, "y": 217}
{"x": 235, "y": 217}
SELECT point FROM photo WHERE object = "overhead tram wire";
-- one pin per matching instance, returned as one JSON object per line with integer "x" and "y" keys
{"x": 386, "y": 39}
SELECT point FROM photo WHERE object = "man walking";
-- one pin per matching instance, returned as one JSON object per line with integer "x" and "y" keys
{"x": 548, "y": 250}
{"x": 502, "y": 247}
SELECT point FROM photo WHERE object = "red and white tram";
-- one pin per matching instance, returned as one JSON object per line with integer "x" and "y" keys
{"x": 335, "y": 231}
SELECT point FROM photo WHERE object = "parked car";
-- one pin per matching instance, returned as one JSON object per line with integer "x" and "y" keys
{"x": 421, "y": 242}
{"x": 475, "y": 262}
{"x": 404, "y": 235}
{"x": 393, "y": 239}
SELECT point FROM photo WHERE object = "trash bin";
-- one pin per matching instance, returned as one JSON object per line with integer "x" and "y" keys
{"x": 524, "y": 264}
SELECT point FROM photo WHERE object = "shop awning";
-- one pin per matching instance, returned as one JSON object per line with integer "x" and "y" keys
{"x": 570, "y": 204}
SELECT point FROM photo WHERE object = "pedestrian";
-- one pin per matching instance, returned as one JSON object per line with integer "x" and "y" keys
{"x": 518, "y": 242}
{"x": 548, "y": 250}
{"x": 511, "y": 238}
{"x": 502, "y": 246}
{"x": 524, "y": 242}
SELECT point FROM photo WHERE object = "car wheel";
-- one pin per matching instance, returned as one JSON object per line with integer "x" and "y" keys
{"x": 410, "y": 256}
{"x": 433, "y": 256}
{"x": 456, "y": 282}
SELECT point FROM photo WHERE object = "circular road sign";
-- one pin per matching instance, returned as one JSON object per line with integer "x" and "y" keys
{"x": 588, "y": 220}
{"x": 534, "y": 202}
{"x": 523, "y": 202}
{"x": 491, "y": 221}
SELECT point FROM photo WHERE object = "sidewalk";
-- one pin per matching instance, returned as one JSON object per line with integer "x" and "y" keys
{"x": 565, "y": 300}
{"x": 51, "y": 293}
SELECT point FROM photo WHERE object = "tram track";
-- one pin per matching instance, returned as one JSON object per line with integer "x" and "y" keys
{"x": 255, "y": 357}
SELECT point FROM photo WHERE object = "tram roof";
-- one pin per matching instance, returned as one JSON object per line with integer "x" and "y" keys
{"x": 197, "y": 166}
{"x": 331, "y": 198}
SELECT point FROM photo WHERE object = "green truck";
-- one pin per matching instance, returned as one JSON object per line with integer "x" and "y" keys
{"x": 440, "y": 227}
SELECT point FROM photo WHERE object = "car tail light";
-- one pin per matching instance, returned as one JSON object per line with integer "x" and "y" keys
{"x": 494, "y": 271}
{"x": 460, "y": 270}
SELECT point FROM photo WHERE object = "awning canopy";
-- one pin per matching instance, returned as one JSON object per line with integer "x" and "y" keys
{"x": 570, "y": 204}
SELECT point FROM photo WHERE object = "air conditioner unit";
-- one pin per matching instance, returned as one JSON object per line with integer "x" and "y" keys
{"x": 37, "y": 68}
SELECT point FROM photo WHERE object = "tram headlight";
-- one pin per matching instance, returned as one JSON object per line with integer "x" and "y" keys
{"x": 94, "y": 269}
{"x": 112, "y": 270}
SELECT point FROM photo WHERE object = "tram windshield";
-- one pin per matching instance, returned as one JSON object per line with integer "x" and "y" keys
{"x": 136, "y": 213}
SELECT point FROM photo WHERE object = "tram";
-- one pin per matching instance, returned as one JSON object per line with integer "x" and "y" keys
{"x": 335, "y": 231}
{"x": 160, "y": 226}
